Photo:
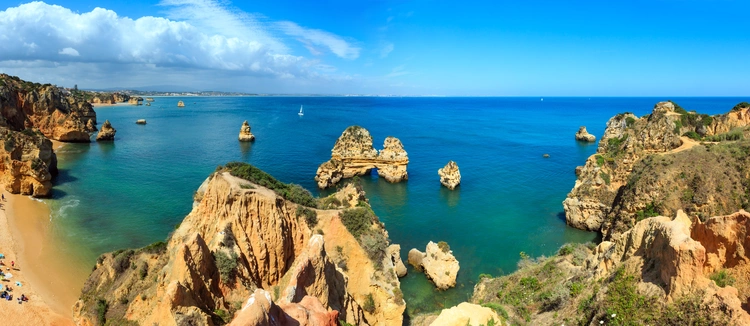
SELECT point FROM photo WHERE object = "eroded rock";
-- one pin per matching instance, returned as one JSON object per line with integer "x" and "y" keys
{"x": 438, "y": 264}
{"x": 450, "y": 176}
{"x": 107, "y": 132}
{"x": 584, "y": 135}
{"x": 245, "y": 134}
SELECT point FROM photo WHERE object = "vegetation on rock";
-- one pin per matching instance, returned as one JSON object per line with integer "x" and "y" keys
{"x": 292, "y": 192}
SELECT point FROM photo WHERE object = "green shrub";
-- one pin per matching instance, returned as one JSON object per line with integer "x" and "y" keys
{"x": 629, "y": 121}
{"x": 575, "y": 289}
{"x": 497, "y": 308}
{"x": 292, "y": 192}
{"x": 735, "y": 134}
{"x": 369, "y": 304}
{"x": 678, "y": 108}
{"x": 692, "y": 135}
{"x": 706, "y": 120}
{"x": 741, "y": 106}
{"x": 649, "y": 211}
{"x": 101, "y": 310}
{"x": 722, "y": 279}
{"x": 398, "y": 295}
{"x": 156, "y": 247}
{"x": 357, "y": 220}
{"x": 531, "y": 283}
{"x": 605, "y": 177}
{"x": 677, "y": 126}
{"x": 566, "y": 249}
{"x": 223, "y": 314}
{"x": 599, "y": 160}
{"x": 374, "y": 243}
{"x": 311, "y": 216}
{"x": 122, "y": 260}
{"x": 444, "y": 247}
{"x": 227, "y": 265}
{"x": 143, "y": 271}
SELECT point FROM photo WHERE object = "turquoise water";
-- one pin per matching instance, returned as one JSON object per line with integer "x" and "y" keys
{"x": 134, "y": 191}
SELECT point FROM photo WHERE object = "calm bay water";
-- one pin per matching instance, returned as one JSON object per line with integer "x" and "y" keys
{"x": 134, "y": 191}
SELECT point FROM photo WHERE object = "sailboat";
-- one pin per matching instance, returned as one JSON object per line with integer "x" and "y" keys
{"x": 300, "y": 111}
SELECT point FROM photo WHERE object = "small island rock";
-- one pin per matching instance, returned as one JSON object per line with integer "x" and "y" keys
{"x": 438, "y": 264}
{"x": 584, "y": 135}
{"x": 245, "y": 134}
{"x": 450, "y": 176}
{"x": 107, "y": 132}
{"x": 180, "y": 104}
{"x": 394, "y": 252}
{"x": 141, "y": 121}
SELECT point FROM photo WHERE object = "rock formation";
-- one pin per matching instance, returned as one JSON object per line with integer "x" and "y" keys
{"x": 107, "y": 132}
{"x": 109, "y": 98}
{"x": 394, "y": 252}
{"x": 245, "y": 248}
{"x": 180, "y": 104}
{"x": 438, "y": 264}
{"x": 141, "y": 121}
{"x": 584, "y": 135}
{"x": 623, "y": 181}
{"x": 30, "y": 113}
{"x": 136, "y": 100}
{"x": 450, "y": 176}
{"x": 149, "y": 99}
{"x": 466, "y": 314}
{"x": 353, "y": 154}
{"x": 245, "y": 134}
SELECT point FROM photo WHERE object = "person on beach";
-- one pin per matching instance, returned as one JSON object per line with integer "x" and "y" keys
{"x": 12, "y": 263}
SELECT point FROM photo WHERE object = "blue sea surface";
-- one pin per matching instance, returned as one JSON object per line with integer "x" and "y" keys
{"x": 134, "y": 191}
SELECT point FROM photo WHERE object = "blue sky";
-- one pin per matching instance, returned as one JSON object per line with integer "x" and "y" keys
{"x": 468, "y": 48}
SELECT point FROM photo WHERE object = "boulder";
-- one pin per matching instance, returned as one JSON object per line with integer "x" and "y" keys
{"x": 450, "y": 176}
{"x": 141, "y": 121}
{"x": 245, "y": 134}
{"x": 180, "y": 104}
{"x": 107, "y": 132}
{"x": 438, "y": 264}
{"x": 584, "y": 135}
{"x": 466, "y": 314}
{"x": 394, "y": 252}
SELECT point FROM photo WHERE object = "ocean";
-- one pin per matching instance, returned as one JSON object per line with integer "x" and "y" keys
{"x": 134, "y": 191}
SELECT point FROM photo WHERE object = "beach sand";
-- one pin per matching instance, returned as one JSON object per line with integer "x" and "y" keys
{"x": 48, "y": 278}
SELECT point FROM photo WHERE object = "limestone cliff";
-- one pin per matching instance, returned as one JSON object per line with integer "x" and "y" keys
{"x": 245, "y": 134}
{"x": 243, "y": 237}
{"x": 28, "y": 162}
{"x": 107, "y": 132}
{"x": 450, "y": 176}
{"x": 624, "y": 181}
{"x": 60, "y": 117}
{"x": 136, "y": 100}
{"x": 353, "y": 154}
{"x": 109, "y": 98}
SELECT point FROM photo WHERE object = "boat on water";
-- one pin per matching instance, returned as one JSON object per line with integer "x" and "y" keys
{"x": 300, "y": 111}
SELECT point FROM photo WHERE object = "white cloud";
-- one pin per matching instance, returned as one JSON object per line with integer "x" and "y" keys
{"x": 387, "y": 49}
{"x": 196, "y": 35}
{"x": 397, "y": 71}
{"x": 69, "y": 51}
{"x": 335, "y": 43}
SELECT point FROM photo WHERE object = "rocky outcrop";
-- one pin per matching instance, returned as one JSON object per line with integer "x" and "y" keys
{"x": 107, "y": 132}
{"x": 242, "y": 241}
{"x": 180, "y": 104}
{"x": 450, "y": 176}
{"x": 28, "y": 162}
{"x": 466, "y": 314}
{"x": 140, "y": 121}
{"x": 109, "y": 98}
{"x": 679, "y": 255}
{"x": 438, "y": 264}
{"x": 353, "y": 154}
{"x": 394, "y": 253}
{"x": 29, "y": 105}
{"x": 136, "y": 100}
{"x": 584, "y": 135}
{"x": 245, "y": 134}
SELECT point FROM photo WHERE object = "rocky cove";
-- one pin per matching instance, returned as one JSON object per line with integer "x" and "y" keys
{"x": 181, "y": 279}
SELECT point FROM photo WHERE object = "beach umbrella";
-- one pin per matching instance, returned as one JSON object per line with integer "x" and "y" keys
{"x": 18, "y": 283}
{"x": 8, "y": 276}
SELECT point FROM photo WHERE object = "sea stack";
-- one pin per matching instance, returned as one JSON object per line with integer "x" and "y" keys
{"x": 180, "y": 104}
{"x": 438, "y": 264}
{"x": 450, "y": 176}
{"x": 245, "y": 134}
{"x": 353, "y": 154}
{"x": 141, "y": 121}
{"x": 107, "y": 132}
{"x": 584, "y": 135}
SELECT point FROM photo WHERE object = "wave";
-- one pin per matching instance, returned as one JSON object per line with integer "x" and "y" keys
{"x": 68, "y": 204}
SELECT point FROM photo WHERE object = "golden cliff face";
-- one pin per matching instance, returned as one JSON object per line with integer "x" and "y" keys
{"x": 353, "y": 154}
{"x": 243, "y": 244}
{"x": 28, "y": 162}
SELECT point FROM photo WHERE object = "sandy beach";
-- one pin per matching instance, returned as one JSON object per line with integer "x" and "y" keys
{"x": 51, "y": 284}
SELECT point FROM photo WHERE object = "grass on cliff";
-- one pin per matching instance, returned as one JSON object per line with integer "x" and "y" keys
{"x": 227, "y": 264}
{"x": 358, "y": 221}
{"x": 292, "y": 192}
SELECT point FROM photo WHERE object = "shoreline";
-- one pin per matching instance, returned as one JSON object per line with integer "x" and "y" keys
{"x": 47, "y": 276}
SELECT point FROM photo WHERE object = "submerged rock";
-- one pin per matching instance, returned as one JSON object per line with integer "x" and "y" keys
{"x": 450, "y": 176}
{"x": 141, "y": 121}
{"x": 584, "y": 135}
{"x": 245, "y": 134}
{"x": 438, "y": 264}
{"x": 107, "y": 132}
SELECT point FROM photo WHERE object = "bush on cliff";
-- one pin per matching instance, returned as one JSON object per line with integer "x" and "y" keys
{"x": 357, "y": 220}
{"x": 292, "y": 192}
{"x": 311, "y": 216}
{"x": 741, "y": 106}
{"x": 226, "y": 264}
